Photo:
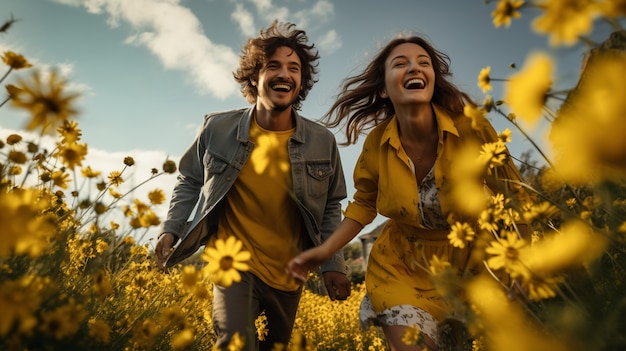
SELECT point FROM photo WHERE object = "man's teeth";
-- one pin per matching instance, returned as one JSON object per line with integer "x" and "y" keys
{"x": 283, "y": 87}
{"x": 415, "y": 83}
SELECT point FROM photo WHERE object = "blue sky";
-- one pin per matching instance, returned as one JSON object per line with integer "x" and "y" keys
{"x": 149, "y": 70}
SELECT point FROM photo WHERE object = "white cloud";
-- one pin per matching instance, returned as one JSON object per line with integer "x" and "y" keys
{"x": 317, "y": 15}
{"x": 329, "y": 42}
{"x": 245, "y": 20}
{"x": 174, "y": 34}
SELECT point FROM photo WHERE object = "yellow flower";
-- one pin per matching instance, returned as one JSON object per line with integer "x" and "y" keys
{"x": 589, "y": 135}
{"x": 189, "y": 277}
{"x": 613, "y": 8}
{"x": 183, "y": 339}
{"x": 115, "y": 193}
{"x": 87, "y": 172}
{"x": 18, "y": 303}
{"x": 493, "y": 154}
{"x": 566, "y": 20}
{"x": 226, "y": 260}
{"x": 507, "y": 253}
{"x": 47, "y": 102}
{"x": 115, "y": 177}
{"x": 69, "y": 132}
{"x": 541, "y": 288}
{"x": 15, "y": 61}
{"x": 438, "y": 266}
{"x": 237, "y": 343}
{"x": 260, "y": 324}
{"x": 144, "y": 333}
{"x": 63, "y": 321}
{"x": 102, "y": 284}
{"x": 156, "y": 196}
{"x": 129, "y": 161}
{"x": 575, "y": 244}
{"x": 460, "y": 233}
{"x": 505, "y": 136}
{"x": 60, "y": 178}
{"x": 71, "y": 154}
{"x": 99, "y": 330}
{"x": 26, "y": 228}
{"x": 526, "y": 91}
{"x": 101, "y": 246}
{"x": 411, "y": 336}
{"x": 484, "y": 81}
{"x": 542, "y": 210}
{"x": 505, "y": 11}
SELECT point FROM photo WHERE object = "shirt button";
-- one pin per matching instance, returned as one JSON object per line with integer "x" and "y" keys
{"x": 319, "y": 173}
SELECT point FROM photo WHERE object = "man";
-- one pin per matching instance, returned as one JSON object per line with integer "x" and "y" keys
{"x": 270, "y": 178}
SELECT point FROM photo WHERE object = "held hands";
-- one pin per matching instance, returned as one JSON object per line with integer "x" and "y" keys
{"x": 164, "y": 249}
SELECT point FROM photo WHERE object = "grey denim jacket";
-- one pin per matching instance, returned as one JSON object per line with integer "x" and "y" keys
{"x": 209, "y": 167}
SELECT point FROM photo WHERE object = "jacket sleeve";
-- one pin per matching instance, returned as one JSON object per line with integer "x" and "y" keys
{"x": 188, "y": 187}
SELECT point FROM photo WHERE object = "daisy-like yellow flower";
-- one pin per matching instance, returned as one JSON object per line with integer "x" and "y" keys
{"x": 539, "y": 288}
{"x": 19, "y": 303}
{"x": 484, "y": 80}
{"x": 507, "y": 254}
{"x": 115, "y": 193}
{"x": 69, "y": 132}
{"x": 505, "y": 11}
{"x": 156, "y": 196}
{"x": 438, "y": 266}
{"x": 460, "y": 233}
{"x": 87, "y": 172}
{"x": 15, "y": 61}
{"x": 48, "y": 103}
{"x": 60, "y": 179}
{"x": 71, "y": 154}
{"x": 505, "y": 136}
{"x": 526, "y": 91}
{"x": 589, "y": 136}
{"x": 115, "y": 177}
{"x": 493, "y": 154}
{"x": 613, "y": 8}
{"x": 477, "y": 115}
{"x": 566, "y": 20}
{"x": 542, "y": 210}
{"x": 225, "y": 260}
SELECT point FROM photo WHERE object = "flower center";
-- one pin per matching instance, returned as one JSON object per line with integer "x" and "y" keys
{"x": 226, "y": 263}
{"x": 511, "y": 253}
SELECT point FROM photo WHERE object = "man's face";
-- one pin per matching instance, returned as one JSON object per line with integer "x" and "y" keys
{"x": 279, "y": 80}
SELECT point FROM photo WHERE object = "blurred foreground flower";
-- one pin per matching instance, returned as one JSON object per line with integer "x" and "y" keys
{"x": 225, "y": 261}
{"x": 46, "y": 99}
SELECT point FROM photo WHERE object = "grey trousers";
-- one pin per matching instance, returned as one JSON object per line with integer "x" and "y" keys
{"x": 236, "y": 307}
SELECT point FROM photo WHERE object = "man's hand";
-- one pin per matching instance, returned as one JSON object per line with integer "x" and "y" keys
{"x": 164, "y": 248}
{"x": 337, "y": 285}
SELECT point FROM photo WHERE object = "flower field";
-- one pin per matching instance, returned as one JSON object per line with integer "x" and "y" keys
{"x": 75, "y": 277}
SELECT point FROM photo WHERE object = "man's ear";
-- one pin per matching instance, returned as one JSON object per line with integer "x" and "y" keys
{"x": 254, "y": 80}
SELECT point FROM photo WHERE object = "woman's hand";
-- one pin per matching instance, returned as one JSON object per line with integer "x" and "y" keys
{"x": 299, "y": 267}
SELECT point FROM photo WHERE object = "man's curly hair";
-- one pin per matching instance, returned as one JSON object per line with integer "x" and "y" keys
{"x": 257, "y": 50}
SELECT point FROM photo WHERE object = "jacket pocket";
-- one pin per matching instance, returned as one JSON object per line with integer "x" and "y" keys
{"x": 319, "y": 173}
{"x": 213, "y": 165}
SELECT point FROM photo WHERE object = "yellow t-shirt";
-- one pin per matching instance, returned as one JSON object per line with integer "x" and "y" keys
{"x": 260, "y": 210}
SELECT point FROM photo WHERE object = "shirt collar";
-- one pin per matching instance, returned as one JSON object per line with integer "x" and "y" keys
{"x": 445, "y": 124}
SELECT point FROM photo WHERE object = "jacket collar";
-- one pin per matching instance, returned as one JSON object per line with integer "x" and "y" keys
{"x": 445, "y": 124}
{"x": 243, "y": 130}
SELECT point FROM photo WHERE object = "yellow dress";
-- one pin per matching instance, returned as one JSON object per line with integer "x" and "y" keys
{"x": 397, "y": 272}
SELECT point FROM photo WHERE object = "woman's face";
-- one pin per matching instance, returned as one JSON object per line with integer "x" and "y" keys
{"x": 409, "y": 76}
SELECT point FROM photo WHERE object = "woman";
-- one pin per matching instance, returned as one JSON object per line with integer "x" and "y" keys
{"x": 403, "y": 173}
